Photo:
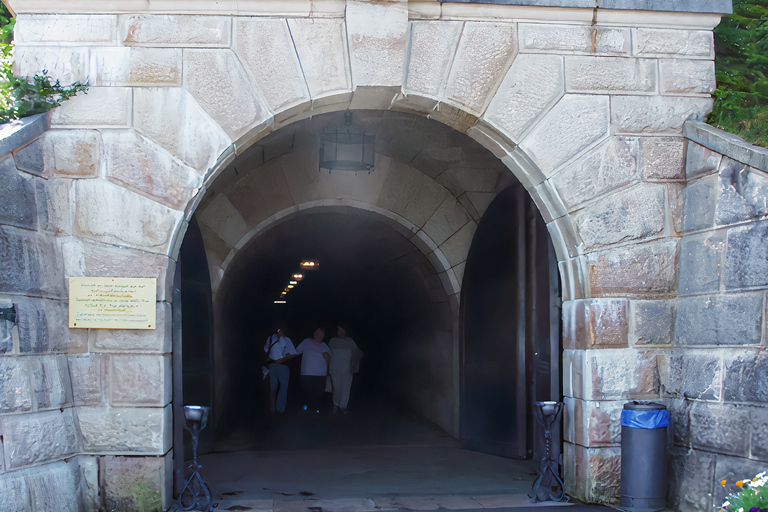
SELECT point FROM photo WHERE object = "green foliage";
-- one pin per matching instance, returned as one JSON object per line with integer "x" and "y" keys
{"x": 741, "y": 98}
{"x": 146, "y": 497}
{"x": 20, "y": 97}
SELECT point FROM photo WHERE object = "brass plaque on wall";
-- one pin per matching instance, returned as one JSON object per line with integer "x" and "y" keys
{"x": 112, "y": 302}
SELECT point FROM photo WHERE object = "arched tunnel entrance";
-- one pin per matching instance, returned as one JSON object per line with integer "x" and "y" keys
{"x": 444, "y": 276}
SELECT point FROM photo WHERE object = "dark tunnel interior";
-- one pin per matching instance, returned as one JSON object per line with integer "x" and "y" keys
{"x": 378, "y": 283}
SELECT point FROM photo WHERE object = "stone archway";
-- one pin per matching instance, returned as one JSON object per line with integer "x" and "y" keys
{"x": 176, "y": 97}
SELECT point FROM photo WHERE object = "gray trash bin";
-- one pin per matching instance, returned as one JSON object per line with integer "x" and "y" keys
{"x": 644, "y": 456}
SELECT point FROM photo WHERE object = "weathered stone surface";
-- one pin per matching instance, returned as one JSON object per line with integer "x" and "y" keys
{"x": 759, "y": 441}
{"x": 742, "y": 193}
{"x": 456, "y": 247}
{"x": 125, "y": 430}
{"x": 640, "y": 270}
{"x": 692, "y": 375}
{"x": 222, "y": 217}
{"x": 447, "y": 220}
{"x": 261, "y": 194}
{"x": 662, "y": 158}
{"x": 700, "y": 160}
{"x": 29, "y": 263}
{"x": 139, "y": 380}
{"x": 89, "y": 481}
{"x": 655, "y": 42}
{"x": 155, "y": 341}
{"x": 218, "y": 82}
{"x": 699, "y": 201}
{"x": 483, "y": 57}
{"x": 30, "y": 159}
{"x": 590, "y": 423}
{"x": 43, "y": 326}
{"x": 432, "y": 47}
{"x": 73, "y": 153}
{"x": 656, "y": 114}
{"x": 171, "y": 118}
{"x": 609, "y": 75}
{"x": 595, "y": 323}
{"x": 411, "y": 194}
{"x": 636, "y": 214}
{"x": 265, "y": 47}
{"x": 745, "y": 377}
{"x": 51, "y": 386}
{"x": 14, "y": 385}
{"x": 746, "y": 260}
{"x": 572, "y": 39}
{"x": 40, "y": 437}
{"x": 178, "y": 31}
{"x": 136, "y": 67}
{"x": 651, "y": 322}
{"x": 720, "y": 320}
{"x": 54, "y": 487}
{"x": 377, "y": 39}
{"x": 723, "y": 142}
{"x": 15, "y": 493}
{"x": 692, "y": 477}
{"x": 573, "y": 124}
{"x": 65, "y": 64}
{"x": 87, "y": 374}
{"x": 701, "y": 258}
{"x": 722, "y": 428}
{"x": 139, "y": 165}
{"x": 532, "y": 85}
{"x": 618, "y": 374}
{"x": 596, "y": 473}
{"x": 611, "y": 165}
{"x": 128, "y": 479}
{"x": 6, "y": 330}
{"x": 82, "y": 258}
{"x": 111, "y": 214}
{"x": 680, "y": 420}
{"x": 53, "y": 206}
{"x": 682, "y": 76}
{"x": 102, "y": 106}
{"x": 72, "y": 28}
{"x": 322, "y": 48}
{"x": 18, "y": 204}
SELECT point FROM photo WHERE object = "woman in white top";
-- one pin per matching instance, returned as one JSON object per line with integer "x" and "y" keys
{"x": 345, "y": 362}
{"x": 315, "y": 358}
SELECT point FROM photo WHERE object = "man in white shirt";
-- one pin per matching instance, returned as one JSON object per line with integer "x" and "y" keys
{"x": 279, "y": 349}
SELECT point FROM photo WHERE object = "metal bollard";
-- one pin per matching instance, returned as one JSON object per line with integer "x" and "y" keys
{"x": 644, "y": 456}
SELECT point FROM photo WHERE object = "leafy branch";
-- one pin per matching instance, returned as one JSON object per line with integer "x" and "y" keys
{"x": 19, "y": 96}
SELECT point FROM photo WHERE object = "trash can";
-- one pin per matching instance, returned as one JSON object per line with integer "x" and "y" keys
{"x": 644, "y": 456}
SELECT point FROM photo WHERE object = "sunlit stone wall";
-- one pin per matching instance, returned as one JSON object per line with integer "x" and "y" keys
{"x": 585, "y": 106}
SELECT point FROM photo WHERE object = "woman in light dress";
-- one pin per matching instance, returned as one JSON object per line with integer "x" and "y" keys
{"x": 345, "y": 362}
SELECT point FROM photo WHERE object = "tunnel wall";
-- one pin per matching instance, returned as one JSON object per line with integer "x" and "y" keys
{"x": 585, "y": 106}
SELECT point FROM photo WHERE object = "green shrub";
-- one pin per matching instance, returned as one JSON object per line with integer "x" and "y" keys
{"x": 741, "y": 47}
{"x": 747, "y": 495}
{"x": 19, "y": 96}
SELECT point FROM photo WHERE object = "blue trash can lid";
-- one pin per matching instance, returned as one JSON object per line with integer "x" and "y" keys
{"x": 642, "y": 405}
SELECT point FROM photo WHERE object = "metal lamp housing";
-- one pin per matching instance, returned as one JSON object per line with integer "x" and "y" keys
{"x": 346, "y": 149}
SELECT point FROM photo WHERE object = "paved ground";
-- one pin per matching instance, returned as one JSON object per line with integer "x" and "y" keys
{"x": 372, "y": 461}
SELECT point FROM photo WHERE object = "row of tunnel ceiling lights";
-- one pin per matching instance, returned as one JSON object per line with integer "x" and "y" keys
{"x": 295, "y": 278}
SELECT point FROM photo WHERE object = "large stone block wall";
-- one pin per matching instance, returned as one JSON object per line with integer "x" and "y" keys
{"x": 715, "y": 377}
{"x": 585, "y": 107}
{"x": 69, "y": 396}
